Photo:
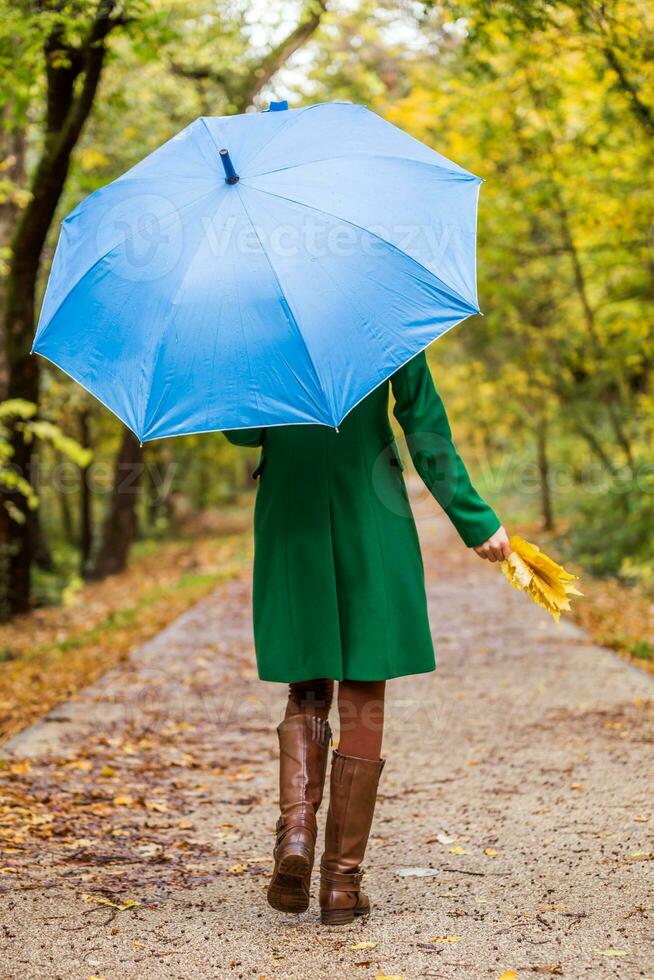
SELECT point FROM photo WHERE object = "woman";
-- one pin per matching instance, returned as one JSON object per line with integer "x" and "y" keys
{"x": 339, "y": 596}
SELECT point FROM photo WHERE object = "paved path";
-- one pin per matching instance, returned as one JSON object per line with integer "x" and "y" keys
{"x": 515, "y": 823}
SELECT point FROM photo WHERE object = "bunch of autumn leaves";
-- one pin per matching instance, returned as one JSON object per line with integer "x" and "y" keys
{"x": 529, "y": 569}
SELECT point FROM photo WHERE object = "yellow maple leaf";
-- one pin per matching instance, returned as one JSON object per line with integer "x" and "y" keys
{"x": 529, "y": 569}
{"x": 446, "y": 939}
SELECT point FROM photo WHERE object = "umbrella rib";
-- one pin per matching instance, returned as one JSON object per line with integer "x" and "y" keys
{"x": 150, "y": 411}
{"x": 113, "y": 411}
{"x": 41, "y": 333}
{"x": 446, "y": 286}
{"x": 287, "y": 304}
{"x": 297, "y": 114}
{"x": 243, "y": 163}
{"x": 455, "y": 174}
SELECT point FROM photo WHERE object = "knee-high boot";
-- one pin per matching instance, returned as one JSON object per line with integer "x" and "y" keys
{"x": 353, "y": 794}
{"x": 304, "y": 741}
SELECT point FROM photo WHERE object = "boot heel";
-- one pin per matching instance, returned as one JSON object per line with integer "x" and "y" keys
{"x": 289, "y": 889}
{"x": 295, "y": 863}
{"x": 336, "y": 917}
{"x": 288, "y": 897}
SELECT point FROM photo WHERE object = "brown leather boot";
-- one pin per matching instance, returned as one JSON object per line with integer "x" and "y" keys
{"x": 353, "y": 794}
{"x": 303, "y": 747}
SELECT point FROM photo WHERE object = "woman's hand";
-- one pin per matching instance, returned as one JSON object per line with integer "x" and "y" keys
{"x": 497, "y": 548}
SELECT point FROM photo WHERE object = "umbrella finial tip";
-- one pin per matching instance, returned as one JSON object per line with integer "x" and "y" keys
{"x": 231, "y": 177}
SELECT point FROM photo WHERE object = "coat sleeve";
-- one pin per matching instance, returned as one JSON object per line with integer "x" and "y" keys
{"x": 421, "y": 413}
{"x": 244, "y": 437}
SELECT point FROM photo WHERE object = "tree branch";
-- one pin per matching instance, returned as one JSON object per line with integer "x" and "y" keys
{"x": 242, "y": 92}
{"x": 641, "y": 111}
{"x": 51, "y": 172}
{"x": 277, "y": 58}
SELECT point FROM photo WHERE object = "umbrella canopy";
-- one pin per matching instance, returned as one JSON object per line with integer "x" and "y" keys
{"x": 261, "y": 269}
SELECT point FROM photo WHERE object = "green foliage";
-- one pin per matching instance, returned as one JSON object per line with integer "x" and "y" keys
{"x": 612, "y": 532}
{"x": 19, "y": 416}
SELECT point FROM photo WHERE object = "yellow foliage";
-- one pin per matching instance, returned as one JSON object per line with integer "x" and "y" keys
{"x": 91, "y": 159}
{"x": 532, "y": 571}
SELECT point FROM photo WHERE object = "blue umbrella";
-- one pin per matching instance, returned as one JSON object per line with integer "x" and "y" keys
{"x": 262, "y": 269}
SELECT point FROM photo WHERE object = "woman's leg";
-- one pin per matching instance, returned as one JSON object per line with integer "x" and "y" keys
{"x": 361, "y": 714}
{"x": 310, "y": 697}
{"x": 304, "y": 739}
{"x": 356, "y": 769}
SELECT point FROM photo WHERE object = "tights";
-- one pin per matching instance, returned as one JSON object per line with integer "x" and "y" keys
{"x": 360, "y": 711}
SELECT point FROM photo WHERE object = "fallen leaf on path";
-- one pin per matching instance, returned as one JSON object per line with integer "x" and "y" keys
{"x": 84, "y": 765}
{"x": 611, "y": 952}
{"x": 156, "y": 806}
{"x": 508, "y": 975}
{"x": 20, "y": 768}
{"x": 458, "y": 850}
{"x": 123, "y": 800}
{"x": 363, "y": 946}
{"x": 490, "y": 852}
{"x": 100, "y": 900}
{"x": 446, "y": 939}
{"x": 418, "y": 872}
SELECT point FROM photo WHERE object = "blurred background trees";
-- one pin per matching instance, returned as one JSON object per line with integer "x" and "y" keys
{"x": 551, "y": 101}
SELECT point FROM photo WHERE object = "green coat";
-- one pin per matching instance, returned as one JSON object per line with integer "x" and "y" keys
{"x": 338, "y": 577}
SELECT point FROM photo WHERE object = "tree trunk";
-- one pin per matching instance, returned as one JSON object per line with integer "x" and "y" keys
{"x": 66, "y": 515}
{"x": 546, "y": 507}
{"x": 120, "y": 525}
{"x": 42, "y": 553}
{"x": 68, "y": 108}
{"x": 12, "y": 153}
{"x": 85, "y": 498}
